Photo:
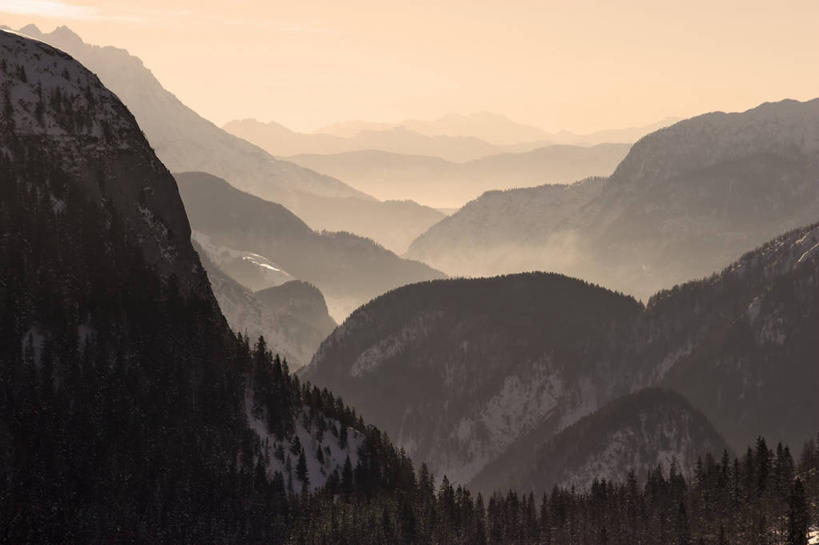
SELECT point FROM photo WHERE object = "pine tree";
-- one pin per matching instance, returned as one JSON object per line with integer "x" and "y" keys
{"x": 301, "y": 470}
{"x": 798, "y": 521}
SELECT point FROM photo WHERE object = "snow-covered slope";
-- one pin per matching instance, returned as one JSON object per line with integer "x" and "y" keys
{"x": 53, "y": 102}
{"x": 633, "y": 434}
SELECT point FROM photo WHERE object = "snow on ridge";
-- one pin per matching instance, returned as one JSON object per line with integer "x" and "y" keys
{"x": 317, "y": 472}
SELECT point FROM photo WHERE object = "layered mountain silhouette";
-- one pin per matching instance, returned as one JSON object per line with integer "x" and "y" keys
{"x": 454, "y": 137}
{"x": 281, "y": 141}
{"x": 442, "y": 184}
{"x": 458, "y": 371}
{"x": 244, "y": 234}
{"x": 128, "y": 409}
{"x": 684, "y": 202}
{"x": 292, "y": 317}
{"x": 184, "y": 141}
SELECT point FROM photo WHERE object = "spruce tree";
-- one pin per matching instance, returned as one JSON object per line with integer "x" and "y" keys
{"x": 798, "y": 515}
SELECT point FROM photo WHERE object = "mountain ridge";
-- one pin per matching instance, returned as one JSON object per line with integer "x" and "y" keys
{"x": 185, "y": 141}
{"x": 749, "y": 325}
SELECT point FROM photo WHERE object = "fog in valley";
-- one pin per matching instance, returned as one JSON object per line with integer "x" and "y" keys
{"x": 411, "y": 273}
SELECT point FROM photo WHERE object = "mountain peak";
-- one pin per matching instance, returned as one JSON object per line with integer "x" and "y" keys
{"x": 63, "y": 33}
{"x": 30, "y": 30}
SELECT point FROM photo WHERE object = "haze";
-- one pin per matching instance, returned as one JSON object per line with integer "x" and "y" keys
{"x": 581, "y": 66}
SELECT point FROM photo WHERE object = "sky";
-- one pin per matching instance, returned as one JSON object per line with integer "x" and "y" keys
{"x": 580, "y": 65}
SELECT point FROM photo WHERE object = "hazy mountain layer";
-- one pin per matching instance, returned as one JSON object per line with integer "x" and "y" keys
{"x": 291, "y": 317}
{"x": 686, "y": 201}
{"x": 496, "y": 129}
{"x": 349, "y": 270}
{"x": 441, "y": 183}
{"x": 281, "y": 141}
{"x": 184, "y": 141}
{"x": 458, "y": 371}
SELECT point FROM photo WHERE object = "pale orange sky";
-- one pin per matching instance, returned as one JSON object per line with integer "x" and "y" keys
{"x": 579, "y": 65}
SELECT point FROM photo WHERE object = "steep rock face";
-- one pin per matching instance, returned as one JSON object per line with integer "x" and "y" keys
{"x": 292, "y": 317}
{"x": 631, "y": 435}
{"x": 740, "y": 345}
{"x": 126, "y": 404}
{"x": 686, "y": 201}
{"x": 184, "y": 141}
{"x": 348, "y": 269}
{"x": 456, "y": 370}
{"x": 78, "y": 126}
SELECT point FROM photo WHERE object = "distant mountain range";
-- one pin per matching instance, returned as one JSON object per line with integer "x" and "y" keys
{"x": 129, "y": 411}
{"x": 184, "y": 141}
{"x": 453, "y": 137}
{"x": 262, "y": 244}
{"x": 281, "y": 141}
{"x": 461, "y": 371}
{"x": 440, "y": 183}
{"x": 685, "y": 201}
{"x": 499, "y": 130}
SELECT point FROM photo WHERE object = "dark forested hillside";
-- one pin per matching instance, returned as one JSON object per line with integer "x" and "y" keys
{"x": 128, "y": 410}
{"x": 740, "y": 346}
{"x": 456, "y": 370}
{"x": 633, "y": 435}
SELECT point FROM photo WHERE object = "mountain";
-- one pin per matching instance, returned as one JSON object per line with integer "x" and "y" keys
{"x": 441, "y": 183}
{"x": 515, "y": 230}
{"x": 683, "y": 203}
{"x": 184, "y": 141}
{"x": 129, "y": 412}
{"x": 281, "y": 141}
{"x": 456, "y": 370}
{"x": 634, "y": 434}
{"x": 292, "y": 316}
{"x": 459, "y": 371}
{"x": 498, "y": 130}
{"x": 628, "y": 134}
{"x": 494, "y": 128}
{"x": 251, "y": 239}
